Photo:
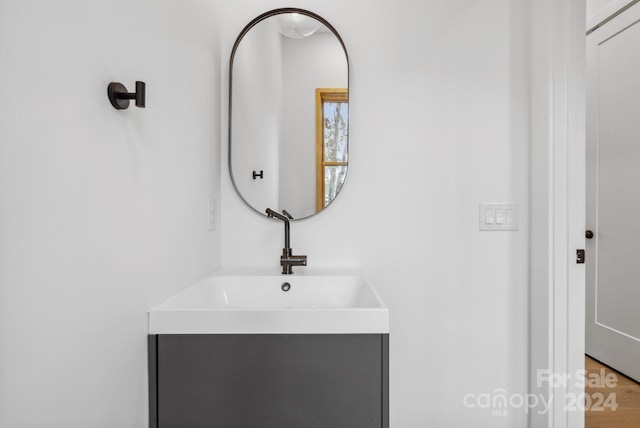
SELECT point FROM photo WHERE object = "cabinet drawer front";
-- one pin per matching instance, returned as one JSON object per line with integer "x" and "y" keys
{"x": 275, "y": 381}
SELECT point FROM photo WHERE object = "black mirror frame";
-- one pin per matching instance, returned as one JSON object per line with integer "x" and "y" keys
{"x": 244, "y": 31}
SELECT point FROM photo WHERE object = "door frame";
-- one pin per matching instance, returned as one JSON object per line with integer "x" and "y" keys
{"x": 557, "y": 197}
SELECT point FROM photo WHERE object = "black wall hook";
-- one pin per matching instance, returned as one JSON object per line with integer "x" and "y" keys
{"x": 119, "y": 96}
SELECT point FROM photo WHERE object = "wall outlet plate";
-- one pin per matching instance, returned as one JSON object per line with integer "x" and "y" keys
{"x": 211, "y": 215}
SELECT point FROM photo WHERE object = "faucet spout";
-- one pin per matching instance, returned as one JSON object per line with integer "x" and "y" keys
{"x": 289, "y": 216}
{"x": 271, "y": 214}
{"x": 287, "y": 260}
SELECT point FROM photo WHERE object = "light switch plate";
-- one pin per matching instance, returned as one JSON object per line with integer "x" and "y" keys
{"x": 498, "y": 216}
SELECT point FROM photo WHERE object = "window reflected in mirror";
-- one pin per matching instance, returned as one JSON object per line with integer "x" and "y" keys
{"x": 332, "y": 137}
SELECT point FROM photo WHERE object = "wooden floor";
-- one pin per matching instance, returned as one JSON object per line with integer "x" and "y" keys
{"x": 627, "y": 398}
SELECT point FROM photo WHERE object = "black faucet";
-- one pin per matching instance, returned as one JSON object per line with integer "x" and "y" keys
{"x": 287, "y": 260}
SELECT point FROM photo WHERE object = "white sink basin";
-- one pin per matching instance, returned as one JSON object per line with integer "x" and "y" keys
{"x": 258, "y": 304}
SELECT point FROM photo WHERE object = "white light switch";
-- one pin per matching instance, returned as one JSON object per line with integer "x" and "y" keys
{"x": 488, "y": 216}
{"x": 498, "y": 216}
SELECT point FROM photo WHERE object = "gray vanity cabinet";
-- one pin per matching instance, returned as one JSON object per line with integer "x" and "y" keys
{"x": 268, "y": 380}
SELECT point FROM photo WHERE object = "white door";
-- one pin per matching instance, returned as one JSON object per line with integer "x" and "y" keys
{"x": 613, "y": 193}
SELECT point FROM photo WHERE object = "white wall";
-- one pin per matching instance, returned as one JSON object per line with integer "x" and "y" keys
{"x": 103, "y": 213}
{"x": 439, "y": 110}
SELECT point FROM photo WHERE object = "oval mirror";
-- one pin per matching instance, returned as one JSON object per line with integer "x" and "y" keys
{"x": 288, "y": 113}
